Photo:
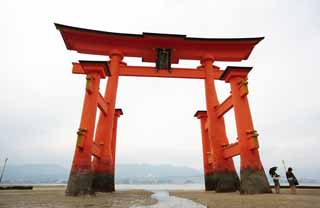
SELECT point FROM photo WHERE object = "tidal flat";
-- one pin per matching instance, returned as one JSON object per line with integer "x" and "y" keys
{"x": 53, "y": 197}
{"x": 304, "y": 198}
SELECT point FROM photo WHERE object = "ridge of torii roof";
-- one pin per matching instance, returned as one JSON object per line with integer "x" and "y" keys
{"x": 143, "y": 45}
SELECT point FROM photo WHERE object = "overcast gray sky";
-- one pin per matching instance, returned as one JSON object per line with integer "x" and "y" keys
{"x": 41, "y": 100}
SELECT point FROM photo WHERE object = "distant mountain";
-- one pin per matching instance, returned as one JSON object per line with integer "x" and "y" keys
{"x": 35, "y": 173}
{"x": 53, "y": 173}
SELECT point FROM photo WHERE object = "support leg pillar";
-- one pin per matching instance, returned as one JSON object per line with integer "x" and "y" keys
{"x": 118, "y": 113}
{"x": 207, "y": 151}
{"x": 80, "y": 179}
{"x": 253, "y": 177}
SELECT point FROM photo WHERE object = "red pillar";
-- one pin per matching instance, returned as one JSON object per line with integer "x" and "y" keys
{"x": 118, "y": 112}
{"x": 253, "y": 178}
{"x": 80, "y": 179}
{"x": 206, "y": 150}
{"x": 103, "y": 173}
{"x": 224, "y": 177}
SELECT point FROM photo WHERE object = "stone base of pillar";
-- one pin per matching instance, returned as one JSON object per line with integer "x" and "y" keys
{"x": 208, "y": 182}
{"x": 79, "y": 183}
{"x": 222, "y": 182}
{"x": 254, "y": 182}
{"x": 103, "y": 182}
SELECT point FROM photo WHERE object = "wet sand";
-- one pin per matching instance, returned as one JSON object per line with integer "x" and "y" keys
{"x": 53, "y": 197}
{"x": 304, "y": 198}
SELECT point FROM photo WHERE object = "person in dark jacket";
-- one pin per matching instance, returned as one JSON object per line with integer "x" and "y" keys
{"x": 292, "y": 180}
{"x": 275, "y": 178}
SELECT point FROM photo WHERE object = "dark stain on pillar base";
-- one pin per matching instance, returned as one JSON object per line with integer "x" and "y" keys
{"x": 254, "y": 182}
{"x": 79, "y": 183}
{"x": 208, "y": 182}
{"x": 222, "y": 182}
{"x": 103, "y": 182}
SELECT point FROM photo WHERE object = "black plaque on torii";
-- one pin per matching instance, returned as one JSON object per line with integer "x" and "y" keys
{"x": 163, "y": 60}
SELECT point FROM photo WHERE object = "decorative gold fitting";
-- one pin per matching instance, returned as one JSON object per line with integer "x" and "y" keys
{"x": 243, "y": 82}
{"x": 81, "y": 134}
{"x": 89, "y": 83}
{"x": 252, "y": 133}
{"x": 243, "y": 86}
{"x": 253, "y": 139}
{"x": 81, "y": 131}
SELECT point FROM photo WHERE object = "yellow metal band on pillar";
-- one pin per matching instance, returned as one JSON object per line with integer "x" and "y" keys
{"x": 80, "y": 139}
{"x": 89, "y": 84}
{"x": 253, "y": 139}
{"x": 243, "y": 85}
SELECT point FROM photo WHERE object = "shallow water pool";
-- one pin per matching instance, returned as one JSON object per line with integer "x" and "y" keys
{"x": 167, "y": 201}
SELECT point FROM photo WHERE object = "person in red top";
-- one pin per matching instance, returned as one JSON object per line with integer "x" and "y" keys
{"x": 292, "y": 180}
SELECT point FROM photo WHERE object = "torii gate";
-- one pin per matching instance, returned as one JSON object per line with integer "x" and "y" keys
{"x": 88, "y": 176}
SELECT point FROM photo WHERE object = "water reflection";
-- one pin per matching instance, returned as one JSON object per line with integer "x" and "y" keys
{"x": 167, "y": 201}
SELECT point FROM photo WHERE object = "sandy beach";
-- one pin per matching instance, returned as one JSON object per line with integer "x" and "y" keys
{"x": 53, "y": 197}
{"x": 304, "y": 198}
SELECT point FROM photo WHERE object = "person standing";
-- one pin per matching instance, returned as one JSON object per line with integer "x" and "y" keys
{"x": 292, "y": 180}
{"x": 275, "y": 178}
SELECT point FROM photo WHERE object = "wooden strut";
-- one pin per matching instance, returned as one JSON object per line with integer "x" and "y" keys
{"x": 224, "y": 107}
{"x": 102, "y": 104}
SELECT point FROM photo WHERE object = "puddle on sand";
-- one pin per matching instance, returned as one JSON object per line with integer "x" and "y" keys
{"x": 167, "y": 201}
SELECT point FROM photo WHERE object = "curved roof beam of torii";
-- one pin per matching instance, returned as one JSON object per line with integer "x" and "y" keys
{"x": 144, "y": 45}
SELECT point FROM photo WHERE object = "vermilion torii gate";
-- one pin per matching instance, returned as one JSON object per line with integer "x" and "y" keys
{"x": 88, "y": 176}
